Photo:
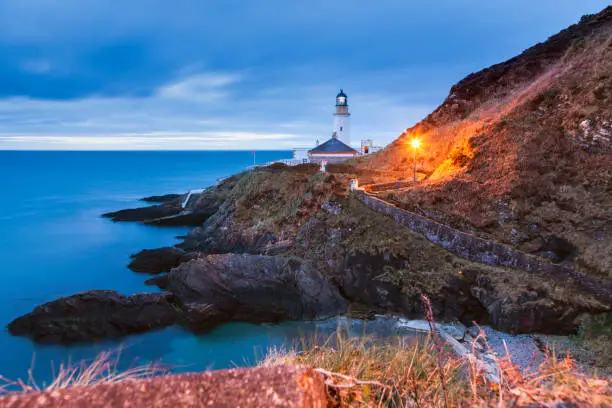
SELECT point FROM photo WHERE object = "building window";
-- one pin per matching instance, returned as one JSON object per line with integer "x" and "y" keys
{"x": 341, "y": 128}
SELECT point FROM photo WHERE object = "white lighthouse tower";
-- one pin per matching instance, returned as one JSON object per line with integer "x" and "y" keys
{"x": 342, "y": 119}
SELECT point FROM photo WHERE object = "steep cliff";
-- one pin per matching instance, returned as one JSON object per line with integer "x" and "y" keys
{"x": 523, "y": 150}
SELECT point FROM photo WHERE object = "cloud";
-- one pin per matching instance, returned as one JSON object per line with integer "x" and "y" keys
{"x": 150, "y": 141}
{"x": 210, "y": 106}
{"x": 200, "y": 88}
{"x": 269, "y": 119}
{"x": 145, "y": 72}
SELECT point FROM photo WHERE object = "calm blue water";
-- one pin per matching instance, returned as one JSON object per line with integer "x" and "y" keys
{"x": 53, "y": 242}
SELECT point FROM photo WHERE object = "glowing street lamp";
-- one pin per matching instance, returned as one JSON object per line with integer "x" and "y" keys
{"x": 415, "y": 143}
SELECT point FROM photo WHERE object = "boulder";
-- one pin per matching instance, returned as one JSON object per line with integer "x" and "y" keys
{"x": 256, "y": 288}
{"x": 159, "y": 260}
{"x": 95, "y": 315}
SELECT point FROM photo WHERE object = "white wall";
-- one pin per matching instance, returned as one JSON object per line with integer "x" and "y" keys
{"x": 342, "y": 127}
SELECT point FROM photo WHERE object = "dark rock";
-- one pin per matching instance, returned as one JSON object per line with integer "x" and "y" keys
{"x": 161, "y": 281}
{"x": 363, "y": 281}
{"x": 162, "y": 198}
{"x": 204, "y": 292}
{"x": 360, "y": 283}
{"x": 218, "y": 235}
{"x": 187, "y": 219}
{"x": 158, "y": 260}
{"x": 527, "y": 311}
{"x": 558, "y": 249}
{"x": 95, "y": 315}
{"x": 144, "y": 213}
{"x": 256, "y": 288}
{"x": 169, "y": 213}
{"x": 201, "y": 318}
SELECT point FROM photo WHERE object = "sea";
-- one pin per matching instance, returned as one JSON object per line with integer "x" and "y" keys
{"x": 54, "y": 242}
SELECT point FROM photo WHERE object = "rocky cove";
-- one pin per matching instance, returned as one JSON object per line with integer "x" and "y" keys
{"x": 291, "y": 243}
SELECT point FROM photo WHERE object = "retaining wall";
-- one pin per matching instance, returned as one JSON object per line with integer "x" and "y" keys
{"x": 479, "y": 250}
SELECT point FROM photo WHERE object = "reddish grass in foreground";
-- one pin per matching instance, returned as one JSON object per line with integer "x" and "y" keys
{"x": 365, "y": 372}
{"x": 370, "y": 373}
{"x": 103, "y": 369}
{"x": 362, "y": 372}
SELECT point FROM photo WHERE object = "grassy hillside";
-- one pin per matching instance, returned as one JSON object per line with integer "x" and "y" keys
{"x": 523, "y": 150}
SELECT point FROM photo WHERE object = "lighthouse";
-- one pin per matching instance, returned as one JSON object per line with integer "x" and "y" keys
{"x": 336, "y": 149}
{"x": 342, "y": 119}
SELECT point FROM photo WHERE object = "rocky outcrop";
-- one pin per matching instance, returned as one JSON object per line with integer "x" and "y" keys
{"x": 182, "y": 219}
{"x": 96, "y": 315}
{"x": 161, "y": 281}
{"x": 527, "y": 311}
{"x": 202, "y": 293}
{"x": 155, "y": 261}
{"x": 219, "y": 234}
{"x": 390, "y": 274}
{"x": 169, "y": 214}
{"x": 256, "y": 288}
{"x": 363, "y": 281}
{"x": 144, "y": 213}
{"x": 166, "y": 198}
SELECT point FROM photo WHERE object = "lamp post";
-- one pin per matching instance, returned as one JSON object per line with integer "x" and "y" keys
{"x": 415, "y": 143}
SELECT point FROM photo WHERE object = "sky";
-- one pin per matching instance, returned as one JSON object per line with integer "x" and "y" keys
{"x": 227, "y": 74}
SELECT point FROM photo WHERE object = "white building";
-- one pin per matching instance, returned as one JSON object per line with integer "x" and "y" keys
{"x": 332, "y": 151}
{"x": 342, "y": 119}
{"x": 301, "y": 154}
{"x": 337, "y": 148}
{"x": 367, "y": 147}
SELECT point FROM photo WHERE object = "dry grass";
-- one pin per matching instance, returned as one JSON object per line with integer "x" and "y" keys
{"x": 509, "y": 154}
{"x": 364, "y": 372}
{"x": 280, "y": 200}
{"x": 103, "y": 369}
{"x": 372, "y": 372}
{"x": 405, "y": 371}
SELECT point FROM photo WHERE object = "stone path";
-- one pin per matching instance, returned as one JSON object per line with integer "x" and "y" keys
{"x": 488, "y": 252}
{"x": 191, "y": 192}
